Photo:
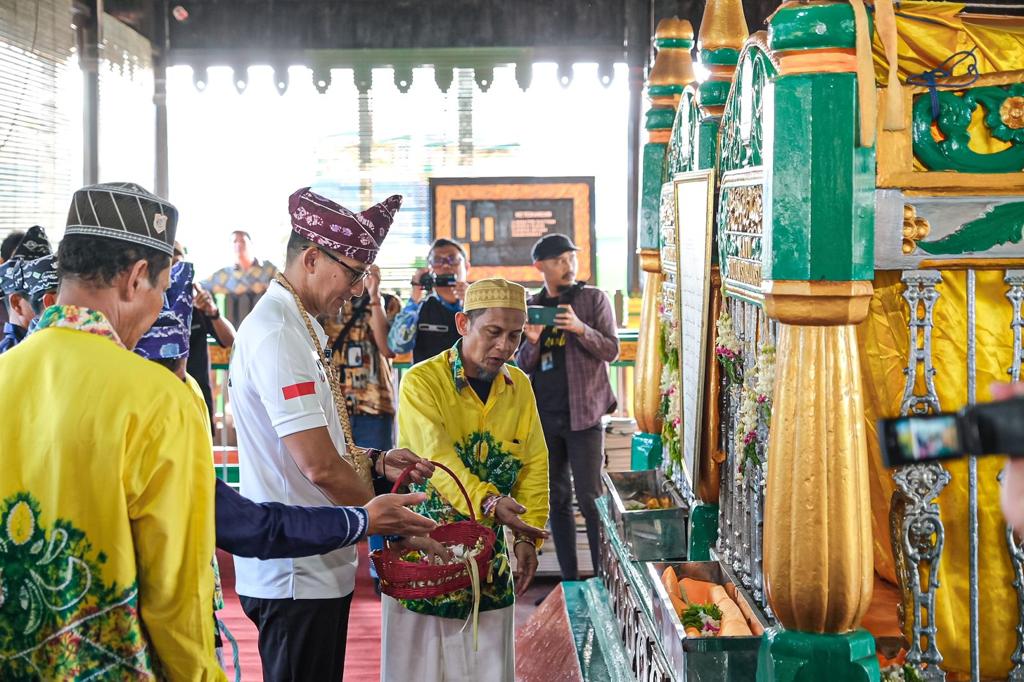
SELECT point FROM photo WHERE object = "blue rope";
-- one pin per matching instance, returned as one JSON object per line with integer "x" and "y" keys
{"x": 234, "y": 648}
{"x": 930, "y": 78}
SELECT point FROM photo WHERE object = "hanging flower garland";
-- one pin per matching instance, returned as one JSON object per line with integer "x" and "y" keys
{"x": 755, "y": 410}
{"x": 728, "y": 349}
{"x": 901, "y": 673}
{"x": 671, "y": 398}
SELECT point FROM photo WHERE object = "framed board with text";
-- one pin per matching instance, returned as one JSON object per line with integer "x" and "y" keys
{"x": 497, "y": 220}
{"x": 694, "y": 206}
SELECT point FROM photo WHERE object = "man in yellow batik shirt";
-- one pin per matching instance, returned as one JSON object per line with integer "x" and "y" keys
{"x": 469, "y": 410}
{"x": 107, "y": 490}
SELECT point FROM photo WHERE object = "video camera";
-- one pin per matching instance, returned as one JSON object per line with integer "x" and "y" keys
{"x": 429, "y": 281}
{"x": 995, "y": 428}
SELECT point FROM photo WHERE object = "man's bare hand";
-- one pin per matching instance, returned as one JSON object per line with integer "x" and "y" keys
{"x": 526, "y": 566}
{"x": 566, "y": 320}
{"x": 203, "y": 301}
{"x": 1013, "y": 473}
{"x": 435, "y": 552}
{"x": 532, "y": 333}
{"x": 397, "y": 460}
{"x": 507, "y": 513}
{"x": 372, "y": 282}
{"x": 417, "y": 288}
{"x": 388, "y": 516}
{"x": 459, "y": 289}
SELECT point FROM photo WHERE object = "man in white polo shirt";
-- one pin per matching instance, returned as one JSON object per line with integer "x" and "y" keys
{"x": 289, "y": 414}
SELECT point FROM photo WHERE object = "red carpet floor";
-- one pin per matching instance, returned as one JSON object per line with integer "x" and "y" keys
{"x": 362, "y": 655}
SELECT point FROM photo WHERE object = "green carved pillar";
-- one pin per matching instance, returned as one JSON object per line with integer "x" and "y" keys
{"x": 817, "y": 269}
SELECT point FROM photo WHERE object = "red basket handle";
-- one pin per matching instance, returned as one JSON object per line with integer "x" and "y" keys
{"x": 405, "y": 474}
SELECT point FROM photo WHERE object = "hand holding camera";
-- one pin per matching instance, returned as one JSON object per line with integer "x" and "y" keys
{"x": 1012, "y": 497}
{"x": 995, "y": 428}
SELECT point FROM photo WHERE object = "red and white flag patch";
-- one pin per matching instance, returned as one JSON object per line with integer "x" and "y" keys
{"x": 299, "y": 390}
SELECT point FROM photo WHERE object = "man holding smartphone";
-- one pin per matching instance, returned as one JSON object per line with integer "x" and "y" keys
{"x": 426, "y": 325}
{"x": 568, "y": 366}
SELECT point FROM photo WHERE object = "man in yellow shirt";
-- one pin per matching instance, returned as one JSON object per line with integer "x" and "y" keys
{"x": 469, "y": 410}
{"x": 106, "y": 496}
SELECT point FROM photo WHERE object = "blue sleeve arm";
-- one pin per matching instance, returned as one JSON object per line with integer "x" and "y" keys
{"x": 402, "y": 336}
{"x": 271, "y": 530}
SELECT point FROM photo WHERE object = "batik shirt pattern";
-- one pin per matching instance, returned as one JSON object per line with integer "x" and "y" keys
{"x": 50, "y": 582}
{"x": 365, "y": 372}
{"x": 233, "y": 280}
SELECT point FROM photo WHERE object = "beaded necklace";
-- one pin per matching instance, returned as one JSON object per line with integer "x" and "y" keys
{"x": 355, "y": 455}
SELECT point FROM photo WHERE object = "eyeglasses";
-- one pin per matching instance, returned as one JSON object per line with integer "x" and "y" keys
{"x": 439, "y": 261}
{"x": 357, "y": 275}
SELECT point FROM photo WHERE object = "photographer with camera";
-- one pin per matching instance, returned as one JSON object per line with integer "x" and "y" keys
{"x": 426, "y": 325}
{"x": 566, "y": 358}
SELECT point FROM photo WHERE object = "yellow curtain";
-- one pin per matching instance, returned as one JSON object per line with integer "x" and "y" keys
{"x": 929, "y": 32}
{"x": 883, "y": 339}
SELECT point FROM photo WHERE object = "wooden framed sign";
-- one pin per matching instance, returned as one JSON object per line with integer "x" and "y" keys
{"x": 498, "y": 220}
{"x": 695, "y": 207}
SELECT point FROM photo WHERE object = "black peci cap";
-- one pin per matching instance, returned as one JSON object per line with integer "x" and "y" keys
{"x": 551, "y": 246}
{"x": 124, "y": 211}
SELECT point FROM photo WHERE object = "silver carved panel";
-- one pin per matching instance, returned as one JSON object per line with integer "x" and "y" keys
{"x": 917, "y": 531}
{"x": 742, "y": 496}
{"x": 1015, "y": 281}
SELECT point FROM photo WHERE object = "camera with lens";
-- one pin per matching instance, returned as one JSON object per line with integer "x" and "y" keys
{"x": 429, "y": 281}
{"x": 995, "y": 428}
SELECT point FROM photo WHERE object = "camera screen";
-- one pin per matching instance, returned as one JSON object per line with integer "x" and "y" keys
{"x": 928, "y": 438}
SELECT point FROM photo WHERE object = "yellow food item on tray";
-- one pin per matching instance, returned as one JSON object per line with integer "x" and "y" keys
{"x": 733, "y": 622}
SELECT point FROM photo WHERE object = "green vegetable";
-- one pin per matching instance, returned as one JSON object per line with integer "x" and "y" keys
{"x": 692, "y": 616}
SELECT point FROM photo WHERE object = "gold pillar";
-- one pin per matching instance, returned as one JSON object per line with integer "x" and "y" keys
{"x": 709, "y": 468}
{"x": 818, "y": 559}
{"x": 647, "y": 375}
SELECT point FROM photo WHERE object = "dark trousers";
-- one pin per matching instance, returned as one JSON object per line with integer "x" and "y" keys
{"x": 301, "y": 640}
{"x": 575, "y": 459}
{"x": 374, "y": 431}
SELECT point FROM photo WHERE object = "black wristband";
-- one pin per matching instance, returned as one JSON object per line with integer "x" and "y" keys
{"x": 216, "y": 315}
{"x": 375, "y": 454}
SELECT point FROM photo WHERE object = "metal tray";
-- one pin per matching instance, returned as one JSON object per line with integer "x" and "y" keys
{"x": 705, "y": 659}
{"x": 651, "y": 534}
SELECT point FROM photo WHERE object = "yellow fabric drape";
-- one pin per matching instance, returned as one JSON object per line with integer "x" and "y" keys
{"x": 930, "y": 32}
{"x": 883, "y": 340}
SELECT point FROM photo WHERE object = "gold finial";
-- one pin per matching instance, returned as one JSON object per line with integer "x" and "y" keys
{"x": 723, "y": 25}
{"x": 674, "y": 28}
{"x": 673, "y": 64}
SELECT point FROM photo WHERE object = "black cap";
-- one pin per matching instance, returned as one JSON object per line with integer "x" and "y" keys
{"x": 551, "y": 246}
{"x": 124, "y": 211}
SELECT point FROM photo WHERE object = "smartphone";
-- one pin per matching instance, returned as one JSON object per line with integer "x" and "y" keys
{"x": 542, "y": 314}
